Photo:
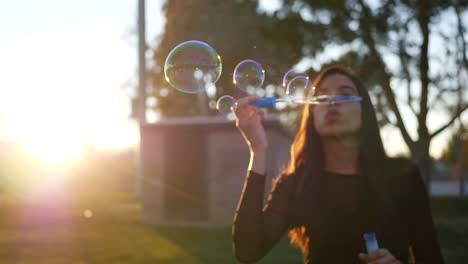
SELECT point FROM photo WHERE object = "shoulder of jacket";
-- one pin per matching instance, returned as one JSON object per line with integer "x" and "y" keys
{"x": 285, "y": 180}
{"x": 401, "y": 163}
{"x": 402, "y": 169}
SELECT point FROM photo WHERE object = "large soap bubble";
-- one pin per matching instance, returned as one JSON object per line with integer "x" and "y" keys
{"x": 192, "y": 67}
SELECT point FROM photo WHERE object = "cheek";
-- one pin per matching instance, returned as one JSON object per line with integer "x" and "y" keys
{"x": 318, "y": 114}
{"x": 354, "y": 114}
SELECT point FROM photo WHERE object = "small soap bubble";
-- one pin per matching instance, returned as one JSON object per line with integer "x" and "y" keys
{"x": 87, "y": 213}
{"x": 225, "y": 104}
{"x": 164, "y": 92}
{"x": 289, "y": 75}
{"x": 192, "y": 67}
{"x": 212, "y": 104}
{"x": 298, "y": 86}
{"x": 248, "y": 75}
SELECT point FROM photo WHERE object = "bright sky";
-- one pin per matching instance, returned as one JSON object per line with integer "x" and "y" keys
{"x": 67, "y": 69}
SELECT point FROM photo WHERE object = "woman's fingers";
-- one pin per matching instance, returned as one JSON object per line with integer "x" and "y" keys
{"x": 252, "y": 111}
{"x": 249, "y": 121}
{"x": 381, "y": 256}
{"x": 243, "y": 105}
{"x": 246, "y": 101}
{"x": 244, "y": 110}
{"x": 262, "y": 115}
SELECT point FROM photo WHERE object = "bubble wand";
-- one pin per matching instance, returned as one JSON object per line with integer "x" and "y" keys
{"x": 270, "y": 102}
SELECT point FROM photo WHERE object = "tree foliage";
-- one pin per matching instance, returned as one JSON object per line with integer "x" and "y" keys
{"x": 410, "y": 53}
{"x": 457, "y": 149}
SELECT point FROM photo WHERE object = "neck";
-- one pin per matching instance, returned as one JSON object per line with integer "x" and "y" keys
{"x": 341, "y": 155}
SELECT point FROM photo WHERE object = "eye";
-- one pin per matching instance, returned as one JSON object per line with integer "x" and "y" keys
{"x": 319, "y": 92}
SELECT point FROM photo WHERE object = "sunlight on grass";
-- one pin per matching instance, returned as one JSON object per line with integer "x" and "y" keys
{"x": 92, "y": 217}
{"x": 116, "y": 234}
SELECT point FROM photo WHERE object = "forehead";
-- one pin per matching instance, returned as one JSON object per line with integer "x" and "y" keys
{"x": 336, "y": 80}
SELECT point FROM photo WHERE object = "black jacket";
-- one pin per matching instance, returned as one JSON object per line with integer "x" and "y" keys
{"x": 338, "y": 238}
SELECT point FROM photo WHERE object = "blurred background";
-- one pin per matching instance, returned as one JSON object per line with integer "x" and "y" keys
{"x": 88, "y": 122}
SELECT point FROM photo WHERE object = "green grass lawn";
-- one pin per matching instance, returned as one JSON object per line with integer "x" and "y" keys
{"x": 115, "y": 234}
{"x": 451, "y": 218}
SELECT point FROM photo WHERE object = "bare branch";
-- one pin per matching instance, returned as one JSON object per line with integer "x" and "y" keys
{"x": 390, "y": 122}
{"x": 384, "y": 114}
{"x": 404, "y": 57}
{"x": 410, "y": 98}
{"x": 454, "y": 117}
{"x": 441, "y": 93}
{"x": 461, "y": 35}
{"x": 423, "y": 18}
{"x": 371, "y": 44}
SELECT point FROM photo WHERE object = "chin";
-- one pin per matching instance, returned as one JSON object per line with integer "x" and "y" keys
{"x": 338, "y": 132}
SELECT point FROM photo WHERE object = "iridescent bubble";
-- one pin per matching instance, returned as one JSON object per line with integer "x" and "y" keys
{"x": 298, "y": 86}
{"x": 192, "y": 67}
{"x": 225, "y": 104}
{"x": 289, "y": 75}
{"x": 248, "y": 75}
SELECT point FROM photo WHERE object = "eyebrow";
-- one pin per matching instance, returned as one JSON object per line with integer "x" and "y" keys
{"x": 341, "y": 87}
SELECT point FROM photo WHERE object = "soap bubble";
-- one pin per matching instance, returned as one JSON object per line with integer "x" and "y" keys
{"x": 248, "y": 75}
{"x": 289, "y": 75}
{"x": 225, "y": 104}
{"x": 192, "y": 67}
{"x": 298, "y": 86}
{"x": 87, "y": 213}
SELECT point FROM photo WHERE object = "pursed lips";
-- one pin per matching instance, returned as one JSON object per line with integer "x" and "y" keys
{"x": 331, "y": 115}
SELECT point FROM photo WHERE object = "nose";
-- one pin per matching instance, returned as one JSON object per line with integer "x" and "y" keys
{"x": 332, "y": 99}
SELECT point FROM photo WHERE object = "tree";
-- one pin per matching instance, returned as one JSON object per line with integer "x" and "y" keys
{"x": 457, "y": 148}
{"x": 415, "y": 44}
{"x": 456, "y": 153}
{"x": 237, "y": 32}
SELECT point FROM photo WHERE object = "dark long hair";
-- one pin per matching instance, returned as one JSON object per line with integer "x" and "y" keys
{"x": 307, "y": 155}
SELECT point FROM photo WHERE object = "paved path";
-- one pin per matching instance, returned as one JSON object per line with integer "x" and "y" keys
{"x": 446, "y": 188}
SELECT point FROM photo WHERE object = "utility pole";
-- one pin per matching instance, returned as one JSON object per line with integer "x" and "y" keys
{"x": 141, "y": 115}
{"x": 140, "y": 102}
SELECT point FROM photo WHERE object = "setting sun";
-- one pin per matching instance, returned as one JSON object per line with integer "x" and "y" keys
{"x": 53, "y": 150}
{"x": 64, "y": 99}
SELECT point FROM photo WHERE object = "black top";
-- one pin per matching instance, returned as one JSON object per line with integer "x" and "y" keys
{"x": 339, "y": 238}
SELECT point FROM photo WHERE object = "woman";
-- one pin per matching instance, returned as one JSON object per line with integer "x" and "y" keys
{"x": 338, "y": 185}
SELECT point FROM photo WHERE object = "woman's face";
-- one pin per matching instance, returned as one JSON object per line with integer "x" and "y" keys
{"x": 339, "y": 120}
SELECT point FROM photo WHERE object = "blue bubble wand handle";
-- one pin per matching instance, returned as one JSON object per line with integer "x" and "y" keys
{"x": 371, "y": 242}
{"x": 265, "y": 102}
{"x": 270, "y": 102}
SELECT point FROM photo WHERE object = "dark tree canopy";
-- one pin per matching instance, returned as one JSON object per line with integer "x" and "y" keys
{"x": 411, "y": 53}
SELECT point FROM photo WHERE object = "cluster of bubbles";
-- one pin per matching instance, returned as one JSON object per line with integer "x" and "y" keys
{"x": 194, "y": 66}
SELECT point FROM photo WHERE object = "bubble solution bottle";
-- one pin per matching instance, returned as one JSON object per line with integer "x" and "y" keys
{"x": 371, "y": 242}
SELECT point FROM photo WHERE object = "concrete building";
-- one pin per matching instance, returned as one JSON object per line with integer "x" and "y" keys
{"x": 193, "y": 169}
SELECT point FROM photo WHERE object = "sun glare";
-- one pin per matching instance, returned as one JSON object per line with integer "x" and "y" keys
{"x": 56, "y": 150}
{"x": 70, "y": 97}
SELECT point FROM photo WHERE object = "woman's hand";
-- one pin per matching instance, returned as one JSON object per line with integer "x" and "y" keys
{"x": 380, "y": 256}
{"x": 248, "y": 121}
